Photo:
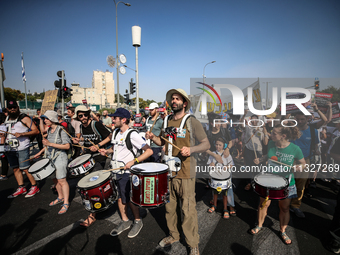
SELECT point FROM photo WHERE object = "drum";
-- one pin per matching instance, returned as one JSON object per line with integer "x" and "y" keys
{"x": 220, "y": 179}
{"x": 98, "y": 191}
{"x": 270, "y": 185}
{"x": 149, "y": 185}
{"x": 3, "y": 135}
{"x": 42, "y": 169}
{"x": 81, "y": 165}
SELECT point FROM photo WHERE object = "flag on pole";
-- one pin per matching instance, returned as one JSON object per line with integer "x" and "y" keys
{"x": 23, "y": 67}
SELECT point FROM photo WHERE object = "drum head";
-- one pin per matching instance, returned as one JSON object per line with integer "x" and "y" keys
{"x": 93, "y": 179}
{"x": 39, "y": 165}
{"x": 149, "y": 168}
{"x": 223, "y": 175}
{"x": 80, "y": 160}
{"x": 271, "y": 180}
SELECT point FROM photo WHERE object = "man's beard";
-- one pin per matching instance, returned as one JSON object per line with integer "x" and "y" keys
{"x": 13, "y": 115}
{"x": 118, "y": 125}
{"x": 177, "y": 108}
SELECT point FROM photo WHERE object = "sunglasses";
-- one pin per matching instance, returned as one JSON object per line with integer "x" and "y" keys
{"x": 11, "y": 107}
{"x": 82, "y": 115}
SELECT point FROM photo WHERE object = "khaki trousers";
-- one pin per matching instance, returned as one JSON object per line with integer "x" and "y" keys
{"x": 183, "y": 190}
{"x": 300, "y": 182}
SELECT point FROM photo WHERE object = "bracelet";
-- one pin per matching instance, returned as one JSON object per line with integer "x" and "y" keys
{"x": 137, "y": 160}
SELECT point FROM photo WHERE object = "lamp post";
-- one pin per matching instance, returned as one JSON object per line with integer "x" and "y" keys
{"x": 266, "y": 94}
{"x": 204, "y": 69}
{"x": 136, "y": 42}
{"x": 117, "y": 65}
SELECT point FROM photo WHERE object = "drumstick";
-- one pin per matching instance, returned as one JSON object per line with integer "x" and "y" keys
{"x": 7, "y": 132}
{"x": 81, "y": 146}
{"x": 119, "y": 168}
{"x": 27, "y": 160}
{"x": 279, "y": 162}
{"x": 254, "y": 147}
{"x": 154, "y": 122}
{"x": 66, "y": 132}
{"x": 170, "y": 143}
{"x": 97, "y": 147}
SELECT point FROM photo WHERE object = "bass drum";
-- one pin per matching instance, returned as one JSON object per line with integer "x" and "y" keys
{"x": 98, "y": 191}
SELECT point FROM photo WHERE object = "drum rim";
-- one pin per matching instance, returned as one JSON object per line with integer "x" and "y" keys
{"x": 149, "y": 173}
{"x": 220, "y": 179}
{"x": 148, "y": 207}
{"x": 75, "y": 166}
{"x": 101, "y": 209}
{"x": 48, "y": 162}
{"x": 270, "y": 197}
{"x": 273, "y": 188}
{"x": 97, "y": 185}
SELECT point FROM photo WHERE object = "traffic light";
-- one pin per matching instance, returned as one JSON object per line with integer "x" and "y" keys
{"x": 60, "y": 84}
{"x": 316, "y": 85}
{"x": 126, "y": 98}
{"x": 132, "y": 87}
{"x": 67, "y": 92}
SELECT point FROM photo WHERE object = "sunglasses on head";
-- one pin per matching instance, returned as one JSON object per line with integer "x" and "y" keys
{"x": 82, "y": 115}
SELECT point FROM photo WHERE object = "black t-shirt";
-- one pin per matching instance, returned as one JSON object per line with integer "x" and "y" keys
{"x": 223, "y": 133}
{"x": 89, "y": 134}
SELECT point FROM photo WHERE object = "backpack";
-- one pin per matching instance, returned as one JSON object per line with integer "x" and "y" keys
{"x": 23, "y": 115}
{"x": 128, "y": 143}
{"x": 70, "y": 128}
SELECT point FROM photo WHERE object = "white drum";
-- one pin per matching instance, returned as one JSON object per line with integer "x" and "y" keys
{"x": 81, "y": 165}
{"x": 42, "y": 169}
{"x": 220, "y": 179}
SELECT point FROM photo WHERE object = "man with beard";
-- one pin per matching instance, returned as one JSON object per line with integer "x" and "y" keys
{"x": 73, "y": 127}
{"x": 156, "y": 130}
{"x": 21, "y": 128}
{"x": 121, "y": 153}
{"x": 92, "y": 132}
{"x": 182, "y": 185}
{"x": 107, "y": 121}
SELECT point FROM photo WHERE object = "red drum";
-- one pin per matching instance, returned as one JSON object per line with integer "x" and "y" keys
{"x": 149, "y": 185}
{"x": 98, "y": 191}
{"x": 81, "y": 165}
{"x": 271, "y": 185}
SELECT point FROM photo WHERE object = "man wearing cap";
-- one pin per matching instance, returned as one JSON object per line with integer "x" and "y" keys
{"x": 155, "y": 122}
{"x": 93, "y": 132}
{"x": 182, "y": 185}
{"x": 20, "y": 128}
{"x": 121, "y": 153}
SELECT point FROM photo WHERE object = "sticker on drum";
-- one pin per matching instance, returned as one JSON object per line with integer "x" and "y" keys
{"x": 107, "y": 187}
{"x": 97, "y": 205}
{"x": 135, "y": 180}
{"x": 95, "y": 198}
{"x": 87, "y": 204}
{"x": 149, "y": 190}
{"x": 94, "y": 178}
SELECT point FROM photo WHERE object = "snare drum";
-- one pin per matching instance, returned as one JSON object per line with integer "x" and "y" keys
{"x": 220, "y": 179}
{"x": 98, "y": 191}
{"x": 270, "y": 185}
{"x": 81, "y": 165}
{"x": 149, "y": 185}
{"x": 42, "y": 169}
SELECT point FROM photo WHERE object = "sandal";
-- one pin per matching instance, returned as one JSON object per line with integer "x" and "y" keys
{"x": 64, "y": 208}
{"x": 212, "y": 209}
{"x": 86, "y": 223}
{"x": 226, "y": 215}
{"x": 285, "y": 238}
{"x": 232, "y": 213}
{"x": 57, "y": 201}
{"x": 255, "y": 230}
{"x": 247, "y": 187}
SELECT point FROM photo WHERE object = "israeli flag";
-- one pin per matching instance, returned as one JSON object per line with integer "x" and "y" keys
{"x": 23, "y": 67}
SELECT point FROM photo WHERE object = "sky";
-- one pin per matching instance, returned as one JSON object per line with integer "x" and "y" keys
{"x": 246, "y": 38}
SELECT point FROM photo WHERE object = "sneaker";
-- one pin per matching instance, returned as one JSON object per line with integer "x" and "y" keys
{"x": 123, "y": 225}
{"x": 3, "y": 178}
{"x": 33, "y": 190}
{"x": 166, "y": 241}
{"x": 297, "y": 212}
{"x": 19, "y": 191}
{"x": 194, "y": 251}
{"x": 136, "y": 228}
{"x": 334, "y": 247}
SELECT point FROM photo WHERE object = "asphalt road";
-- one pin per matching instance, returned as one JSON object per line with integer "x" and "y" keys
{"x": 30, "y": 226}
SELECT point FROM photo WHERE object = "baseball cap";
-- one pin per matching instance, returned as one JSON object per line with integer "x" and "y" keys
{"x": 153, "y": 106}
{"x": 12, "y": 104}
{"x": 123, "y": 113}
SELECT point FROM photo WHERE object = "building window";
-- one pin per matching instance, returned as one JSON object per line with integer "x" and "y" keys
{"x": 103, "y": 87}
{"x": 104, "y": 92}
{"x": 76, "y": 90}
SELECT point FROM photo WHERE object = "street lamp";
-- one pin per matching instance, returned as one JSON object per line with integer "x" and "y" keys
{"x": 117, "y": 65}
{"x": 204, "y": 69}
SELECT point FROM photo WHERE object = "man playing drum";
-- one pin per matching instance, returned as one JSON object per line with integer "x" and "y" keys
{"x": 22, "y": 127}
{"x": 182, "y": 187}
{"x": 123, "y": 154}
{"x": 92, "y": 132}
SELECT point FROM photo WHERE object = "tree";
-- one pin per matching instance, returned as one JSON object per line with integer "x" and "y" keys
{"x": 333, "y": 90}
{"x": 121, "y": 98}
{"x": 13, "y": 94}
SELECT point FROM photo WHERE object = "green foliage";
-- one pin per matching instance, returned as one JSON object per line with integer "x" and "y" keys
{"x": 121, "y": 98}
{"x": 333, "y": 90}
{"x": 13, "y": 94}
{"x": 109, "y": 110}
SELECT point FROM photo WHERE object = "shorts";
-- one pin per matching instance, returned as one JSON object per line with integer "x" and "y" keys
{"x": 60, "y": 163}
{"x": 124, "y": 187}
{"x": 292, "y": 193}
{"x": 15, "y": 159}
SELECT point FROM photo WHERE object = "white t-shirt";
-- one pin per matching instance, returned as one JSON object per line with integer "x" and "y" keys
{"x": 123, "y": 153}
